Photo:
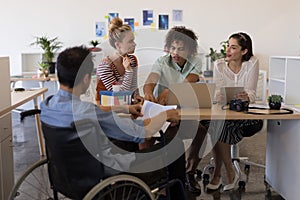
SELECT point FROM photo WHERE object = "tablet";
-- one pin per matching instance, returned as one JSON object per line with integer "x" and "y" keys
{"x": 230, "y": 92}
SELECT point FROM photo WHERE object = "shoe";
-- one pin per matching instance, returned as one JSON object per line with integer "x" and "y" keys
{"x": 214, "y": 187}
{"x": 232, "y": 185}
{"x": 191, "y": 184}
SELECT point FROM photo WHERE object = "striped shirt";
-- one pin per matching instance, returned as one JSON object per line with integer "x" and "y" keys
{"x": 107, "y": 72}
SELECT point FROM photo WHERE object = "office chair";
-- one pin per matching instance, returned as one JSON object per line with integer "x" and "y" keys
{"x": 235, "y": 155}
{"x": 71, "y": 171}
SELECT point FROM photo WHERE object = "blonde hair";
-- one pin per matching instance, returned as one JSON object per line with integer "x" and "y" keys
{"x": 116, "y": 29}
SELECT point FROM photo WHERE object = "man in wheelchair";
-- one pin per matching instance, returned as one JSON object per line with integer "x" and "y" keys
{"x": 74, "y": 69}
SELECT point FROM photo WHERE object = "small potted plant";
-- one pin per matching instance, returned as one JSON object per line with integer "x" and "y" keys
{"x": 275, "y": 101}
{"x": 213, "y": 56}
{"x": 44, "y": 69}
{"x": 50, "y": 46}
{"x": 94, "y": 43}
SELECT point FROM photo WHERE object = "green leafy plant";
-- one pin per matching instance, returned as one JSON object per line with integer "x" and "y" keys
{"x": 49, "y": 45}
{"x": 214, "y": 55}
{"x": 275, "y": 98}
{"x": 94, "y": 43}
{"x": 44, "y": 68}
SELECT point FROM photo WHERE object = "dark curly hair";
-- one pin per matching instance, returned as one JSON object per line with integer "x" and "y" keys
{"x": 187, "y": 36}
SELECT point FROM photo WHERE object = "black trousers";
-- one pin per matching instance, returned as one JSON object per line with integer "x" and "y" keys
{"x": 174, "y": 167}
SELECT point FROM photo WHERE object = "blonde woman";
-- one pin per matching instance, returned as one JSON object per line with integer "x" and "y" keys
{"x": 121, "y": 66}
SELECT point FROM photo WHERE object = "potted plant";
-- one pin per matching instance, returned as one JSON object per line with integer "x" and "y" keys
{"x": 50, "y": 46}
{"x": 213, "y": 56}
{"x": 275, "y": 101}
{"x": 44, "y": 69}
{"x": 94, "y": 43}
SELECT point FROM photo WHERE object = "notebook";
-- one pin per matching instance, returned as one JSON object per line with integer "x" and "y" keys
{"x": 191, "y": 95}
{"x": 229, "y": 92}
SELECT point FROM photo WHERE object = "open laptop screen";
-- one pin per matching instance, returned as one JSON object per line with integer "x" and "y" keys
{"x": 191, "y": 95}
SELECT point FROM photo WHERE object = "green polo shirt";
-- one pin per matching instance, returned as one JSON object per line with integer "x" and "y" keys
{"x": 169, "y": 72}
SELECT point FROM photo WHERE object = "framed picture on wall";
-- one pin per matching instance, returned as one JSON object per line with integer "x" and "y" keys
{"x": 130, "y": 22}
{"x": 177, "y": 15}
{"x": 163, "y": 22}
{"x": 101, "y": 29}
{"x": 147, "y": 17}
{"x": 112, "y": 15}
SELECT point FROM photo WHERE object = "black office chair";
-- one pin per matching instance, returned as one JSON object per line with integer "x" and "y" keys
{"x": 71, "y": 171}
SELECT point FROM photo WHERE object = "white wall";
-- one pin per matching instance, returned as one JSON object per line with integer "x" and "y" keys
{"x": 273, "y": 25}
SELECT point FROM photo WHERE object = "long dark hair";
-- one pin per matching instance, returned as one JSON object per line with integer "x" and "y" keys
{"x": 245, "y": 42}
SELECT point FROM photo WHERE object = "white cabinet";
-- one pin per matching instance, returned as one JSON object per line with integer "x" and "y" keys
{"x": 284, "y": 78}
{"x": 6, "y": 151}
{"x": 30, "y": 61}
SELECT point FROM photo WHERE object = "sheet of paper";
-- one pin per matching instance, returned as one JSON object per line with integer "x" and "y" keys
{"x": 151, "y": 109}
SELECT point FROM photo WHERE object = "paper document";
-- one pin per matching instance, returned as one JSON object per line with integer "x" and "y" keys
{"x": 151, "y": 109}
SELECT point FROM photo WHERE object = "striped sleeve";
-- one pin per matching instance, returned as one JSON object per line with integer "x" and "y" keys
{"x": 106, "y": 75}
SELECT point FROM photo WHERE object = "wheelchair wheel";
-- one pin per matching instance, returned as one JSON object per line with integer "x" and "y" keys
{"x": 33, "y": 184}
{"x": 120, "y": 187}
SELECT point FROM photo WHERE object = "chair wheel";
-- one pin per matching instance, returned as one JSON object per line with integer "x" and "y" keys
{"x": 205, "y": 179}
{"x": 242, "y": 185}
{"x": 198, "y": 174}
{"x": 247, "y": 169}
{"x": 211, "y": 170}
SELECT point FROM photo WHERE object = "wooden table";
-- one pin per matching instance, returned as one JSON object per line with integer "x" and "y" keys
{"x": 20, "y": 98}
{"x": 33, "y": 77}
{"x": 217, "y": 113}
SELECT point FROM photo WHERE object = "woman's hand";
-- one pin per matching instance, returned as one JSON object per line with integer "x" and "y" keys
{"x": 126, "y": 63}
{"x": 138, "y": 99}
{"x": 242, "y": 95}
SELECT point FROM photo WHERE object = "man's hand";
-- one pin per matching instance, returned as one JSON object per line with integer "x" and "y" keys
{"x": 150, "y": 97}
{"x": 163, "y": 97}
{"x": 135, "y": 110}
{"x": 172, "y": 116}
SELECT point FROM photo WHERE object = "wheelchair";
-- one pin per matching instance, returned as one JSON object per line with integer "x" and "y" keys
{"x": 35, "y": 184}
{"x": 57, "y": 177}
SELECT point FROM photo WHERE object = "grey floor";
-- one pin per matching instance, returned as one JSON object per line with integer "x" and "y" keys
{"x": 26, "y": 152}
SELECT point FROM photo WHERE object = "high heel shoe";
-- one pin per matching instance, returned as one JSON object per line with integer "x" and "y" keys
{"x": 214, "y": 187}
{"x": 232, "y": 185}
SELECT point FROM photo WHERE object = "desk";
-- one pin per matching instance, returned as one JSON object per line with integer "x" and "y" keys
{"x": 20, "y": 98}
{"x": 283, "y": 145}
{"x": 34, "y": 77}
{"x": 6, "y": 150}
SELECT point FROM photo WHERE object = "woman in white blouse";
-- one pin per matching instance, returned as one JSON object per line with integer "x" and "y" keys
{"x": 239, "y": 68}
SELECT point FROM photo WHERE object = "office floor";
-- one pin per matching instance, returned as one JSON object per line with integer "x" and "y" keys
{"x": 26, "y": 152}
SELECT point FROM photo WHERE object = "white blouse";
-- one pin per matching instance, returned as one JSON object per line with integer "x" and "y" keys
{"x": 247, "y": 77}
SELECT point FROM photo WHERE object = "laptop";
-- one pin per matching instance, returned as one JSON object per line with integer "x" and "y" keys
{"x": 191, "y": 95}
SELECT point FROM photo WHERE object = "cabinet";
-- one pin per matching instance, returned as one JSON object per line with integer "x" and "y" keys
{"x": 30, "y": 61}
{"x": 284, "y": 78}
{"x": 6, "y": 149}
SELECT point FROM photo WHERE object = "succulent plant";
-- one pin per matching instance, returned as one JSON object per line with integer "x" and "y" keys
{"x": 275, "y": 98}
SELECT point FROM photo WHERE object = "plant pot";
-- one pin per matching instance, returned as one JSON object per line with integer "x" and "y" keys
{"x": 51, "y": 67}
{"x": 274, "y": 105}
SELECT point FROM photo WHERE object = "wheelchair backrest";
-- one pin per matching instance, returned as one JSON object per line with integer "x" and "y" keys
{"x": 73, "y": 169}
